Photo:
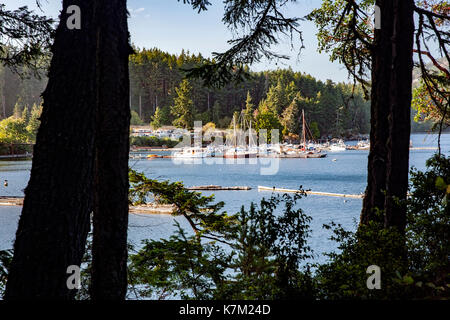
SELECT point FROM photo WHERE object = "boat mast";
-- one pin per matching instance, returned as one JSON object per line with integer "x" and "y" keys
{"x": 304, "y": 129}
{"x": 242, "y": 130}
{"x": 250, "y": 138}
{"x": 234, "y": 131}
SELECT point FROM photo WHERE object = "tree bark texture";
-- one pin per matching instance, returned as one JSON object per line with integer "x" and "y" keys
{"x": 109, "y": 250}
{"x": 54, "y": 223}
{"x": 388, "y": 162}
{"x": 80, "y": 162}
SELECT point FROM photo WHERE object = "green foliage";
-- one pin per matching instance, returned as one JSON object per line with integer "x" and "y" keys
{"x": 432, "y": 106}
{"x": 224, "y": 122}
{"x": 276, "y": 99}
{"x": 152, "y": 142}
{"x": 135, "y": 119}
{"x": 179, "y": 266}
{"x": 249, "y": 108}
{"x": 17, "y": 111}
{"x": 202, "y": 215}
{"x": 268, "y": 120}
{"x": 271, "y": 249}
{"x": 25, "y": 115}
{"x": 157, "y": 119}
{"x": 161, "y": 117}
{"x": 183, "y": 108}
{"x": 22, "y": 86}
{"x": 235, "y": 121}
{"x": 13, "y": 130}
{"x": 5, "y": 261}
{"x": 345, "y": 32}
{"x": 428, "y": 232}
{"x": 30, "y": 33}
{"x": 314, "y": 127}
{"x": 414, "y": 265}
{"x": 344, "y": 277}
{"x": 290, "y": 118}
{"x": 34, "y": 122}
{"x": 22, "y": 126}
{"x": 155, "y": 76}
{"x": 217, "y": 113}
{"x": 261, "y": 23}
{"x": 254, "y": 254}
{"x": 204, "y": 117}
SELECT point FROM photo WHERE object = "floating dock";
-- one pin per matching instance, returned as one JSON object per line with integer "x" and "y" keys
{"x": 317, "y": 193}
{"x": 219, "y": 188}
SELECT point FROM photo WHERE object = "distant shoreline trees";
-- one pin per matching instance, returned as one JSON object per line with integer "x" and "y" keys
{"x": 20, "y": 128}
{"x": 320, "y": 100}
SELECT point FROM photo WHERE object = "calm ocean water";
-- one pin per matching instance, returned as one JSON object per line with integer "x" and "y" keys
{"x": 345, "y": 175}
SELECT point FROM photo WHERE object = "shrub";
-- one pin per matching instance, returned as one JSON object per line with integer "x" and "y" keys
{"x": 152, "y": 142}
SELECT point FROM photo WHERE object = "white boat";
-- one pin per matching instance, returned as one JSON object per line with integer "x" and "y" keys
{"x": 363, "y": 145}
{"x": 214, "y": 151}
{"x": 337, "y": 148}
{"x": 252, "y": 152}
{"x": 276, "y": 148}
{"x": 340, "y": 146}
{"x": 191, "y": 152}
{"x": 308, "y": 150}
{"x": 234, "y": 153}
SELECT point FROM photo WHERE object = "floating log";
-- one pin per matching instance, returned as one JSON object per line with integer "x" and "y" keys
{"x": 318, "y": 193}
{"x": 423, "y": 148}
{"x": 410, "y": 148}
{"x": 221, "y": 188}
{"x": 11, "y": 201}
{"x": 153, "y": 208}
{"x": 150, "y": 208}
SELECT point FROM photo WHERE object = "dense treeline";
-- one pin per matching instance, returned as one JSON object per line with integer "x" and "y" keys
{"x": 156, "y": 83}
{"x": 276, "y": 97}
{"x": 20, "y": 87}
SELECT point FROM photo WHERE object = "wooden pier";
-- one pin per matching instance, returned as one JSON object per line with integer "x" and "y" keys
{"x": 317, "y": 193}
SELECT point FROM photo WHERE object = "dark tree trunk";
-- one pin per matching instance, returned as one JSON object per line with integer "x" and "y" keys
{"x": 379, "y": 128}
{"x": 109, "y": 250}
{"x": 54, "y": 222}
{"x": 390, "y": 114}
{"x": 400, "y": 113}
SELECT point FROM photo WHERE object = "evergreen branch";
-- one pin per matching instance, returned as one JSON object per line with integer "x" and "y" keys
{"x": 430, "y": 13}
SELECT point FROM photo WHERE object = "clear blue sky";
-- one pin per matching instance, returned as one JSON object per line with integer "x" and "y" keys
{"x": 172, "y": 26}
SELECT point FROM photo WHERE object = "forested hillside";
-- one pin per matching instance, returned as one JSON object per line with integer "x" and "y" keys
{"x": 276, "y": 97}
{"x": 155, "y": 75}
